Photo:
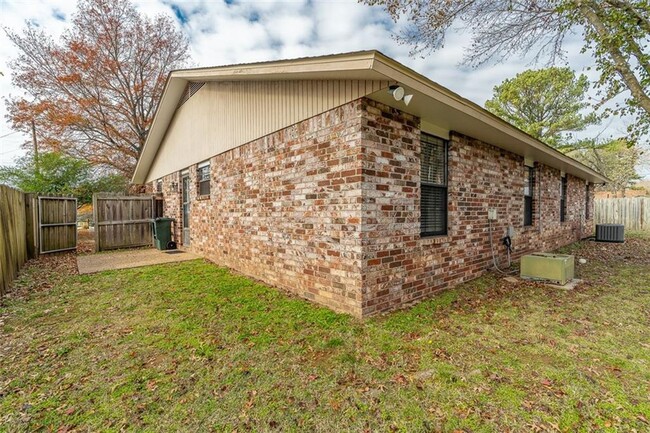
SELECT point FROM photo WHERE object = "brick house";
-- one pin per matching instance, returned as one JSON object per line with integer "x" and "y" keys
{"x": 314, "y": 175}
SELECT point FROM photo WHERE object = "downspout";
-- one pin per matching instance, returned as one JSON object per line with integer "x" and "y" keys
{"x": 539, "y": 199}
{"x": 583, "y": 214}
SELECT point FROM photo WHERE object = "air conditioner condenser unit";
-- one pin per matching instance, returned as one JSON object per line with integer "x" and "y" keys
{"x": 558, "y": 268}
{"x": 610, "y": 233}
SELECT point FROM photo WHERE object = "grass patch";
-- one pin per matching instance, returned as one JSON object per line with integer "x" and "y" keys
{"x": 193, "y": 347}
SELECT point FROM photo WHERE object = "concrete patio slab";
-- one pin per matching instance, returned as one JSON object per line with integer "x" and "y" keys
{"x": 570, "y": 285}
{"x": 89, "y": 264}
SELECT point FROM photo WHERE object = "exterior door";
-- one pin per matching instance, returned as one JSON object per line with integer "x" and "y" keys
{"x": 186, "y": 209}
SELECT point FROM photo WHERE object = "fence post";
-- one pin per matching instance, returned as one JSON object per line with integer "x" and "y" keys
{"x": 31, "y": 218}
{"x": 97, "y": 246}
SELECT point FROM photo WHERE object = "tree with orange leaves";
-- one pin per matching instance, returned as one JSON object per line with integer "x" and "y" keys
{"x": 93, "y": 94}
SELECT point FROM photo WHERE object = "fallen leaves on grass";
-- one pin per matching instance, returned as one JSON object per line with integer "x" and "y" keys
{"x": 634, "y": 251}
{"x": 85, "y": 241}
{"x": 42, "y": 274}
{"x": 122, "y": 351}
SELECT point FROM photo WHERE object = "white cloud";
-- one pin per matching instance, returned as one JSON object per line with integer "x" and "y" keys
{"x": 292, "y": 29}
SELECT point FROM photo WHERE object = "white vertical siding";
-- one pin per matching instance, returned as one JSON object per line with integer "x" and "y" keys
{"x": 224, "y": 115}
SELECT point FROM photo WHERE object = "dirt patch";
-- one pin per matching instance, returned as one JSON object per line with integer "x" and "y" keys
{"x": 85, "y": 241}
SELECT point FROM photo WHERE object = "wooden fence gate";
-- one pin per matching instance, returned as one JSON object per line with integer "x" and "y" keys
{"x": 57, "y": 224}
{"x": 122, "y": 221}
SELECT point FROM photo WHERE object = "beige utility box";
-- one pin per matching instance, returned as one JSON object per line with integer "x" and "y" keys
{"x": 558, "y": 268}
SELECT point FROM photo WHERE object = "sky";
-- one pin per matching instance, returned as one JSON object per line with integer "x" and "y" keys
{"x": 238, "y": 31}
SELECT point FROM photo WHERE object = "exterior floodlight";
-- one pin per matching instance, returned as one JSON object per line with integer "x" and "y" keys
{"x": 399, "y": 94}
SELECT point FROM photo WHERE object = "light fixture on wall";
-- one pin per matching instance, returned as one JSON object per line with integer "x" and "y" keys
{"x": 399, "y": 94}
{"x": 174, "y": 186}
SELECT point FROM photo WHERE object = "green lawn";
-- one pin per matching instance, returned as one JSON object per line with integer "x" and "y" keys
{"x": 193, "y": 347}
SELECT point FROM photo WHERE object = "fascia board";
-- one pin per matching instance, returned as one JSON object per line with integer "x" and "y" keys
{"x": 394, "y": 71}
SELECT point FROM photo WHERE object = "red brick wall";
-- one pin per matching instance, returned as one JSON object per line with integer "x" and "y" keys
{"x": 286, "y": 209}
{"x": 400, "y": 266}
{"x": 329, "y": 209}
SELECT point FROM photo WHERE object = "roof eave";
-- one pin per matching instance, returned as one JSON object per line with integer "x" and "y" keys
{"x": 356, "y": 61}
{"x": 328, "y": 66}
{"x": 394, "y": 70}
{"x": 289, "y": 69}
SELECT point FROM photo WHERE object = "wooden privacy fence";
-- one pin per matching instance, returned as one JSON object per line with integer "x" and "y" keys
{"x": 633, "y": 213}
{"x": 31, "y": 224}
{"x": 13, "y": 242}
{"x": 57, "y": 224}
{"x": 122, "y": 221}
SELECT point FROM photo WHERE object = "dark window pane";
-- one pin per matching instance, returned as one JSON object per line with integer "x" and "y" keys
{"x": 433, "y": 185}
{"x": 204, "y": 188}
{"x": 587, "y": 215}
{"x": 433, "y": 217}
{"x": 528, "y": 196}
{"x": 528, "y": 211}
{"x": 563, "y": 199}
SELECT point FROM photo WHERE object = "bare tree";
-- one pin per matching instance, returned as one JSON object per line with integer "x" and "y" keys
{"x": 616, "y": 32}
{"x": 94, "y": 93}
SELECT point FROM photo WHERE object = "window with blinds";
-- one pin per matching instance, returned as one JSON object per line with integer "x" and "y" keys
{"x": 563, "y": 188}
{"x": 433, "y": 186}
{"x": 528, "y": 196}
{"x": 587, "y": 213}
{"x": 203, "y": 174}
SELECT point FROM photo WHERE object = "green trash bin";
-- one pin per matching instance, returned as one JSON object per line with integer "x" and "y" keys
{"x": 162, "y": 233}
